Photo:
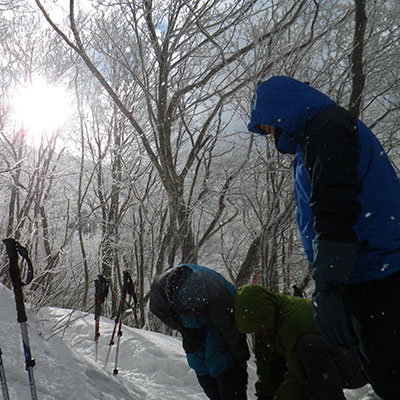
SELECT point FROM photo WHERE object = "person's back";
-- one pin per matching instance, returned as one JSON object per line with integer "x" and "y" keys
{"x": 293, "y": 360}
{"x": 199, "y": 303}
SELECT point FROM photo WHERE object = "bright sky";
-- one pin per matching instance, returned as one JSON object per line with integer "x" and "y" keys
{"x": 41, "y": 108}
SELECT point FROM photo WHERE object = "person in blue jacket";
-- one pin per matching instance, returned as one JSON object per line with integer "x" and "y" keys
{"x": 348, "y": 212}
{"x": 198, "y": 302}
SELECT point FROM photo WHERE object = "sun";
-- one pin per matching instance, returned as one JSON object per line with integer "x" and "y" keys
{"x": 41, "y": 109}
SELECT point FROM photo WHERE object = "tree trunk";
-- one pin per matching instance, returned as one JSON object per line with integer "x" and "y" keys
{"x": 357, "y": 73}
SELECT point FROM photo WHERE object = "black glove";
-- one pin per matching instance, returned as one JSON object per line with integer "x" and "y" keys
{"x": 332, "y": 316}
{"x": 332, "y": 265}
{"x": 231, "y": 384}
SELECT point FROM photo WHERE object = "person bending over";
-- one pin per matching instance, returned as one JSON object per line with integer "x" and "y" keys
{"x": 198, "y": 302}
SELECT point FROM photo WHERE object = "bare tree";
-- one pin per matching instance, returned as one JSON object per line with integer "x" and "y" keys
{"x": 357, "y": 68}
{"x": 185, "y": 60}
{"x": 164, "y": 92}
{"x": 29, "y": 173}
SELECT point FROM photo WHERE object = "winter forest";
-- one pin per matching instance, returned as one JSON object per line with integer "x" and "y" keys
{"x": 124, "y": 142}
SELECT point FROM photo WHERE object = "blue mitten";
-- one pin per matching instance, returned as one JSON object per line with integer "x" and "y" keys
{"x": 332, "y": 266}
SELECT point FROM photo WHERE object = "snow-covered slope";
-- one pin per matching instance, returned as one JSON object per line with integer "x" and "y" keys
{"x": 151, "y": 366}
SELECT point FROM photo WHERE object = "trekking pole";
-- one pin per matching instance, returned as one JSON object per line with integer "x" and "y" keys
{"x": 13, "y": 249}
{"x": 3, "y": 380}
{"x": 127, "y": 288}
{"x": 101, "y": 292}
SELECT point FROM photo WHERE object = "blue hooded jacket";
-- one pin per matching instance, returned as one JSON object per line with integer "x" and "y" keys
{"x": 288, "y": 104}
{"x": 333, "y": 204}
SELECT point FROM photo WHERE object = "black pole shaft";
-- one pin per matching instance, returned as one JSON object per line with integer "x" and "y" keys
{"x": 101, "y": 292}
{"x": 121, "y": 313}
{"x": 117, "y": 321}
{"x": 97, "y": 312}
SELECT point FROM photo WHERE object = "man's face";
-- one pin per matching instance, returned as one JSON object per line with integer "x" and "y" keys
{"x": 268, "y": 129}
{"x": 276, "y": 132}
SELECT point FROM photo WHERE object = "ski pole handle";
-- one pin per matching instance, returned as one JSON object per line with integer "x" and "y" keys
{"x": 11, "y": 248}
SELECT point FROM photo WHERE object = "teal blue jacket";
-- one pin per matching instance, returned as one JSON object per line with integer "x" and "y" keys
{"x": 199, "y": 303}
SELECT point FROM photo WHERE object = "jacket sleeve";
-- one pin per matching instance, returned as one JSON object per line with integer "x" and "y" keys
{"x": 220, "y": 311}
{"x": 270, "y": 370}
{"x": 274, "y": 380}
{"x": 330, "y": 149}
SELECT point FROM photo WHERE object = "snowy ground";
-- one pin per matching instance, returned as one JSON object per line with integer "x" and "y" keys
{"x": 151, "y": 366}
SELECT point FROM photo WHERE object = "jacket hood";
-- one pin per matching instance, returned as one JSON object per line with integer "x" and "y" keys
{"x": 185, "y": 289}
{"x": 288, "y": 104}
{"x": 255, "y": 309}
{"x": 159, "y": 304}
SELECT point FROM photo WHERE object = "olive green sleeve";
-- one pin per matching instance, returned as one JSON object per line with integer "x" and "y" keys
{"x": 270, "y": 370}
{"x": 293, "y": 389}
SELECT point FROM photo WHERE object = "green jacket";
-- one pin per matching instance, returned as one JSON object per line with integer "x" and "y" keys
{"x": 280, "y": 321}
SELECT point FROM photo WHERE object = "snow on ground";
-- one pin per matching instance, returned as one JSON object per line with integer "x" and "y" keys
{"x": 151, "y": 366}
